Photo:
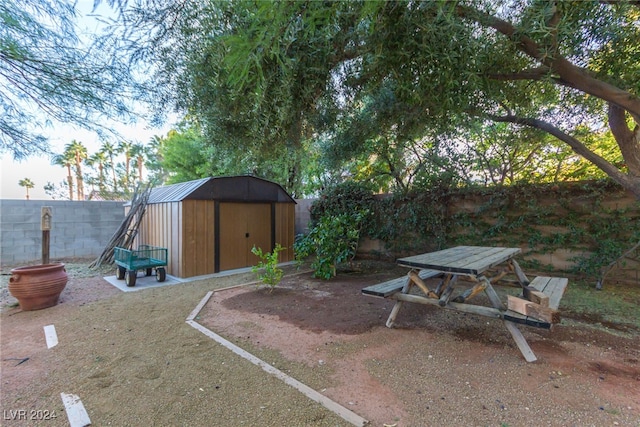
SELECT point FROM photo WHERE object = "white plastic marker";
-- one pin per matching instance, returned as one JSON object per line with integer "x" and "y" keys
{"x": 51, "y": 336}
{"x": 76, "y": 413}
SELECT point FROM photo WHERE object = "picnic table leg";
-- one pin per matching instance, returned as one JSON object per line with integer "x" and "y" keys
{"x": 415, "y": 278}
{"x": 448, "y": 290}
{"x": 520, "y": 340}
{"x": 470, "y": 293}
{"x": 398, "y": 304}
{"x": 522, "y": 278}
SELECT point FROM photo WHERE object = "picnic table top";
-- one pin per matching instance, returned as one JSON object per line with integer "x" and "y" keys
{"x": 461, "y": 259}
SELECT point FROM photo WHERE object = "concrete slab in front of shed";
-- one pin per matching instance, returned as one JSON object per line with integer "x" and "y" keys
{"x": 146, "y": 282}
{"x": 142, "y": 282}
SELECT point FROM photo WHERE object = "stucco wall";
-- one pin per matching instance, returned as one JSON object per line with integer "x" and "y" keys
{"x": 303, "y": 216}
{"x": 80, "y": 229}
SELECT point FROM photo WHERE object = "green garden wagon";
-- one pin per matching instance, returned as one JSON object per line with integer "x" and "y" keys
{"x": 145, "y": 258}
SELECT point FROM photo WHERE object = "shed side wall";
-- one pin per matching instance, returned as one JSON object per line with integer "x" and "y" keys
{"x": 285, "y": 229}
{"x": 157, "y": 229}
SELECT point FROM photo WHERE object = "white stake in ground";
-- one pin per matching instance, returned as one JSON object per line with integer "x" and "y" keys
{"x": 74, "y": 408}
{"x": 51, "y": 336}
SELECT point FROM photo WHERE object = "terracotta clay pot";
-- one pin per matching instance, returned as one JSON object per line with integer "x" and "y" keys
{"x": 37, "y": 286}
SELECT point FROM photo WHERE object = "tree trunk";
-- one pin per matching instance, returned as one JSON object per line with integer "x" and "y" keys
{"x": 628, "y": 140}
{"x": 70, "y": 181}
{"x": 79, "y": 180}
{"x": 140, "y": 160}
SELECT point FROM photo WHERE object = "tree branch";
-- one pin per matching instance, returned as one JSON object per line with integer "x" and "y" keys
{"x": 530, "y": 74}
{"x": 630, "y": 183}
{"x": 569, "y": 74}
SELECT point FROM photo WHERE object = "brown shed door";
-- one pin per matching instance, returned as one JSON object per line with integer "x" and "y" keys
{"x": 243, "y": 225}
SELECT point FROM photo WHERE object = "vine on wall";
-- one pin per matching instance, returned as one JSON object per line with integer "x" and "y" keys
{"x": 593, "y": 220}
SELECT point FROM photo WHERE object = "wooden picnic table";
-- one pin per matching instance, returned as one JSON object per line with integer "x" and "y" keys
{"x": 540, "y": 297}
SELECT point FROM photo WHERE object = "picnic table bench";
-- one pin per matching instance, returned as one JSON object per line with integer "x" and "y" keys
{"x": 540, "y": 314}
{"x": 390, "y": 287}
{"x": 537, "y": 306}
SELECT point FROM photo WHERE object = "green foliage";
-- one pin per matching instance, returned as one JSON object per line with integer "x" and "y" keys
{"x": 387, "y": 86}
{"x": 344, "y": 198}
{"x": 333, "y": 239}
{"x": 267, "y": 268}
{"x": 415, "y": 220}
{"x": 542, "y": 219}
{"x": 49, "y": 74}
{"x": 185, "y": 156}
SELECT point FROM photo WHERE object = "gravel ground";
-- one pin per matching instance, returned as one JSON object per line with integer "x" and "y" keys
{"x": 134, "y": 361}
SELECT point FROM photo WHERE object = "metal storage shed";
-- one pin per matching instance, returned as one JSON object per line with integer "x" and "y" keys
{"x": 211, "y": 224}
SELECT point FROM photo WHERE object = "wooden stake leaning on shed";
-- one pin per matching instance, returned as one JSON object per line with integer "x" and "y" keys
{"x": 126, "y": 233}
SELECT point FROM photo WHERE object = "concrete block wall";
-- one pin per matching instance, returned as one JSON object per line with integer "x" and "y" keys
{"x": 80, "y": 229}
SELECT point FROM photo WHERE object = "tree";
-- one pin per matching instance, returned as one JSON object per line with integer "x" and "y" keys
{"x": 261, "y": 102}
{"x": 274, "y": 74}
{"x": 65, "y": 160}
{"x": 125, "y": 147}
{"x": 55, "y": 191}
{"x": 154, "y": 163}
{"x": 541, "y": 64}
{"x": 110, "y": 151}
{"x": 99, "y": 159}
{"x": 138, "y": 153}
{"x": 49, "y": 74}
{"x": 187, "y": 156}
{"x": 27, "y": 184}
{"x": 78, "y": 152}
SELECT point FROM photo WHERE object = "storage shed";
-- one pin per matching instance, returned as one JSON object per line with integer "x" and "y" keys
{"x": 211, "y": 224}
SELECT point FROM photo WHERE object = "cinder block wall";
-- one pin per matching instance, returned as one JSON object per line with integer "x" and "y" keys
{"x": 80, "y": 229}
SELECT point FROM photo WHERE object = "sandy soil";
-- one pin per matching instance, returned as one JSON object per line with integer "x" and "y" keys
{"x": 134, "y": 361}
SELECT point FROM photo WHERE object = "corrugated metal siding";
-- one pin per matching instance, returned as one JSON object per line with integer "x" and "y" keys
{"x": 181, "y": 218}
{"x": 224, "y": 188}
{"x": 155, "y": 230}
{"x": 175, "y": 192}
{"x": 198, "y": 237}
{"x": 243, "y": 225}
{"x": 285, "y": 229}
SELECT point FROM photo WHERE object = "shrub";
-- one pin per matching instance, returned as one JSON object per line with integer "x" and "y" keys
{"x": 333, "y": 239}
{"x": 345, "y": 198}
{"x": 267, "y": 269}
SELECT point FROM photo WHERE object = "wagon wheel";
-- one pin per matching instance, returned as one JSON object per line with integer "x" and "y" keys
{"x": 161, "y": 274}
{"x": 120, "y": 272}
{"x": 130, "y": 278}
{"x": 148, "y": 271}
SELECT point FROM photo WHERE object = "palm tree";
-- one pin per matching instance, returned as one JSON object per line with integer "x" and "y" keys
{"x": 99, "y": 159}
{"x": 138, "y": 152}
{"x": 26, "y": 183}
{"x": 64, "y": 161}
{"x": 110, "y": 151}
{"x": 126, "y": 147}
{"x": 78, "y": 152}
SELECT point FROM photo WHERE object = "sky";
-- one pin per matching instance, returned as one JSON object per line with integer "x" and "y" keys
{"x": 38, "y": 168}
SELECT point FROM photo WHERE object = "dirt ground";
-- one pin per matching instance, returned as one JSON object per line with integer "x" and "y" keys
{"x": 134, "y": 361}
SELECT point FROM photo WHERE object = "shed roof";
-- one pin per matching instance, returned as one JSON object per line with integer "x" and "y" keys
{"x": 242, "y": 188}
